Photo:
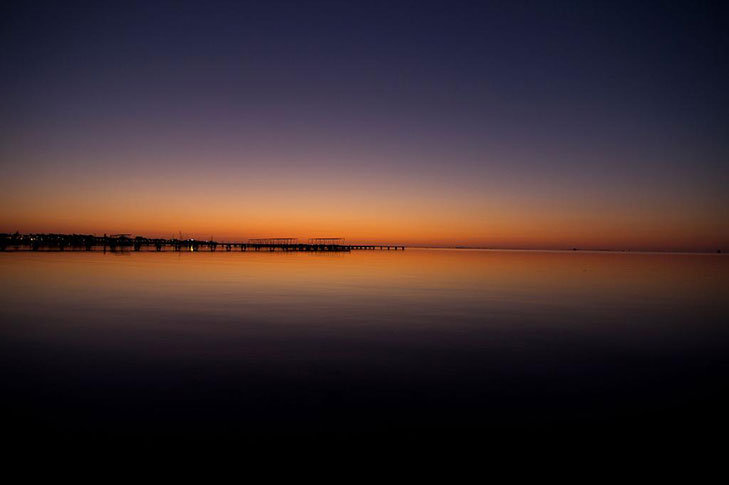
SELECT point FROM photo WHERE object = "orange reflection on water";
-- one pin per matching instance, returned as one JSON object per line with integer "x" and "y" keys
{"x": 292, "y": 286}
{"x": 241, "y": 342}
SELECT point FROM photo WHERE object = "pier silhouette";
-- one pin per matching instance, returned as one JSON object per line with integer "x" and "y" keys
{"x": 125, "y": 242}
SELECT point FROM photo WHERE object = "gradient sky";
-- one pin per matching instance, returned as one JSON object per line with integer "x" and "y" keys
{"x": 509, "y": 124}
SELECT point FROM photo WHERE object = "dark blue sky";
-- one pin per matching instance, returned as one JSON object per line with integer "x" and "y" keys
{"x": 621, "y": 106}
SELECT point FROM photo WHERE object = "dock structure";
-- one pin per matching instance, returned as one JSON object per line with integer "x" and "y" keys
{"x": 125, "y": 242}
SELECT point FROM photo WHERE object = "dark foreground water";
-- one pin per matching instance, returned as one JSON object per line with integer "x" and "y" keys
{"x": 464, "y": 344}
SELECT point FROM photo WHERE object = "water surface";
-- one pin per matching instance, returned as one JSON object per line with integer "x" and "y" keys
{"x": 252, "y": 345}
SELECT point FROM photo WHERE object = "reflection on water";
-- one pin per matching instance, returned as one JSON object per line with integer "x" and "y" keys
{"x": 260, "y": 344}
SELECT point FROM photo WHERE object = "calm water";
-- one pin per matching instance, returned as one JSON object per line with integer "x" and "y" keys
{"x": 250, "y": 345}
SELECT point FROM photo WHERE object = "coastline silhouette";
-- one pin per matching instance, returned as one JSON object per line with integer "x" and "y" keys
{"x": 125, "y": 242}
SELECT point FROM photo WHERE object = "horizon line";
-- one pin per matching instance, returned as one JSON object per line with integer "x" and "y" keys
{"x": 414, "y": 246}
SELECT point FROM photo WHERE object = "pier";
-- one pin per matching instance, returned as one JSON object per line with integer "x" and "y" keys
{"x": 125, "y": 242}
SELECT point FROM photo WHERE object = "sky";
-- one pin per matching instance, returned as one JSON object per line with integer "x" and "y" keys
{"x": 488, "y": 124}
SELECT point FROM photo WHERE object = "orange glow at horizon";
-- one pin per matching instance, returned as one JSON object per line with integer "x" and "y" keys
{"x": 367, "y": 202}
{"x": 420, "y": 221}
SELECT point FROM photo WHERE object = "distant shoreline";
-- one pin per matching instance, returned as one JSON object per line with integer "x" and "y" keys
{"x": 9, "y": 240}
